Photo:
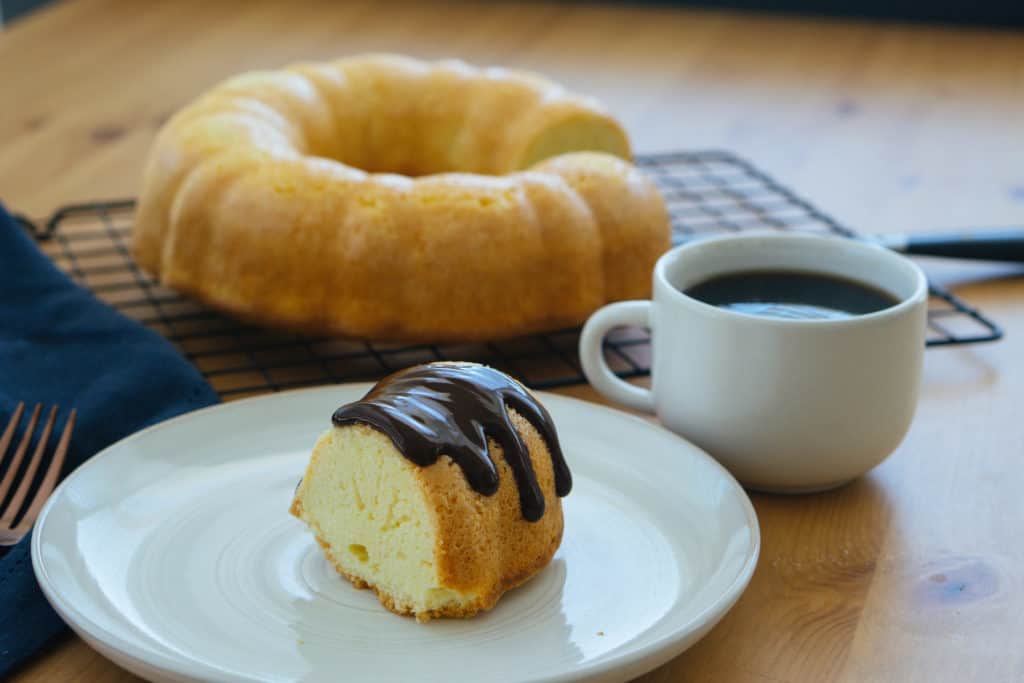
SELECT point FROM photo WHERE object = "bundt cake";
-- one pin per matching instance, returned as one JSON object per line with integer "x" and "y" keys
{"x": 388, "y": 198}
{"x": 439, "y": 489}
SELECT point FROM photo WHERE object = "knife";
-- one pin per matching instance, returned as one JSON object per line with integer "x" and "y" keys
{"x": 983, "y": 244}
{"x": 990, "y": 244}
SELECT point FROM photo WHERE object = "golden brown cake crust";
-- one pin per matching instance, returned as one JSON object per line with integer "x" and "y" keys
{"x": 274, "y": 197}
{"x": 485, "y": 544}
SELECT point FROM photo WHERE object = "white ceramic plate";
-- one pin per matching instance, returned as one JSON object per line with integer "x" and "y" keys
{"x": 172, "y": 553}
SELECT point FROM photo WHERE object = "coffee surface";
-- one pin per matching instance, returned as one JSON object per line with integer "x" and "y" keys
{"x": 790, "y": 294}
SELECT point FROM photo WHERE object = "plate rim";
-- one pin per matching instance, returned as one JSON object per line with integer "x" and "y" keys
{"x": 659, "y": 651}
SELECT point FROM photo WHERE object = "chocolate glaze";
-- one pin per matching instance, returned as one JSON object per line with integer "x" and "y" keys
{"x": 450, "y": 409}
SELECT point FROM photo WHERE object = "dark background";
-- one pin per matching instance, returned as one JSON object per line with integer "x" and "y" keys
{"x": 984, "y": 12}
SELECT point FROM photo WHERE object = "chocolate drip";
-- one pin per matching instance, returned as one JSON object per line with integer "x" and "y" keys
{"x": 450, "y": 409}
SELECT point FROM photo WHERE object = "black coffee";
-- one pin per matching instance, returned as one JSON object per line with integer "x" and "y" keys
{"x": 791, "y": 294}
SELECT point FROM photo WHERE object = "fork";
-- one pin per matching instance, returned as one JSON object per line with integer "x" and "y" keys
{"x": 11, "y": 533}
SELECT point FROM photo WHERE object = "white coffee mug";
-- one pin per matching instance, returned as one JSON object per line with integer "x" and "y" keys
{"x": 786, "y": 405}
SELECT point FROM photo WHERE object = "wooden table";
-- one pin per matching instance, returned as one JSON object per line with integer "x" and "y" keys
{"x": 913, "y": 573}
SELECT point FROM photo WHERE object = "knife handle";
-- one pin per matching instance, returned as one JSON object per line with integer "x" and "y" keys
{"x": 984, "y": 245}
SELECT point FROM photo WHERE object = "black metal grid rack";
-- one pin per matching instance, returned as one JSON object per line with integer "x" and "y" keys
{"x": 706, "y": 192}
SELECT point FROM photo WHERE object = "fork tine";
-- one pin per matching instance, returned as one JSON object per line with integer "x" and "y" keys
{"x": 33, "y": 466}
{"x": 50, "y": 478}
{"x": 12, "y": 468}
{"x": 5, "y": 440}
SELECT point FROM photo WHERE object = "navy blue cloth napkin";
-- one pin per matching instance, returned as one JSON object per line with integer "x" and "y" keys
{"x": 59, "y": 344}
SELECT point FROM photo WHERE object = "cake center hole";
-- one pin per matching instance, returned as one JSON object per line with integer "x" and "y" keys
{"x": 359, "y": 551}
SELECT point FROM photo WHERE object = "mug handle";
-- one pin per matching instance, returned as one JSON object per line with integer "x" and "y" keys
{"x": 592, "y": 353}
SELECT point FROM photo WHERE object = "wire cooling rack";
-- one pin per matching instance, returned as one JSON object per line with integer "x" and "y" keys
{"x": 706, "y": 192}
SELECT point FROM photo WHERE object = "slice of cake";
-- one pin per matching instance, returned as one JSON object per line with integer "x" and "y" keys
{"x": 439, "y": 489}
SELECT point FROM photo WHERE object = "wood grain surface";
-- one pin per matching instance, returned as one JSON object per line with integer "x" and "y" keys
{"x": 913, "y": 573}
